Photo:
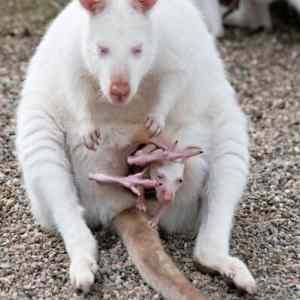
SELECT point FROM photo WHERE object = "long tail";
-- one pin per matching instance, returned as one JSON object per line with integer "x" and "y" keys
{"x": 155, "y": 266}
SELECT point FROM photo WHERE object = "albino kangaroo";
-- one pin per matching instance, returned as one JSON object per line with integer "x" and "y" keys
{"x": 110, "y": 67}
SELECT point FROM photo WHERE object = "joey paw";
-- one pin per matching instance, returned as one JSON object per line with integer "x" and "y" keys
{"x": 153, "y": 222}
{"x": 141, "y": 206}
{"x": 154, "y": 124}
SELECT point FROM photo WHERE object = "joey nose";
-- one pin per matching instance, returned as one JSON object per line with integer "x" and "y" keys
{"x": 168, "y": 195}
{"x": 120, "y": 90}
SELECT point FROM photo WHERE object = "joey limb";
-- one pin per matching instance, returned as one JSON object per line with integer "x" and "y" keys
{"x": 164, "y": 171}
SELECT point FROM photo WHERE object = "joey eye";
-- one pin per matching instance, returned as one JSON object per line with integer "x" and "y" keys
{"x": 160, "y": 176}
{"x": 180, "y": 181}
{"x": 104, "y": 51}
{"x": 137, "y": 50}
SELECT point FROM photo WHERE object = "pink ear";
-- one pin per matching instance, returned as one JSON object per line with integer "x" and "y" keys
{"x": 143, "y": 5}
{"x": 93, "y": 6}
{"x": 191, "y": 151}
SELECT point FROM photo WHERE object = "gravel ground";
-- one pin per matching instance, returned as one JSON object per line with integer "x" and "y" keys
{"x": 265, "y": 69}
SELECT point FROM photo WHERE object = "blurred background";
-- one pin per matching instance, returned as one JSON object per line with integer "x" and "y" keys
{"x": 27, "y": 13}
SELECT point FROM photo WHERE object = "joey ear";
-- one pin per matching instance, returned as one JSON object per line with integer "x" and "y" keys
{"x": 93, "y": 6}
{"x": 191, "y": 151}
{"x": 144, "y": 5}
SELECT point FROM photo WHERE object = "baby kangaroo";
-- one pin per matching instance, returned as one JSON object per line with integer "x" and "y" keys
{"x": 164, "y": 171}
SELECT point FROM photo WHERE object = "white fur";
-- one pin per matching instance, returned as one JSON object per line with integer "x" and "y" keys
{"x": 183, "y": 80}
{"x": 212, "y": 13}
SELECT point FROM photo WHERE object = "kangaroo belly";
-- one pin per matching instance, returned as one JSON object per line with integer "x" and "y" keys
{"x": 102, "y": 202}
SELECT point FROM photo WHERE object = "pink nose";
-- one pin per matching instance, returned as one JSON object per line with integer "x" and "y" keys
{"x": 120, "y": 90}
{"x": 167, "y": 195}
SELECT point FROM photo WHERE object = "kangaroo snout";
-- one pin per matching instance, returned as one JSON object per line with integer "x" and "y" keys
{"x": 119, "y": 91}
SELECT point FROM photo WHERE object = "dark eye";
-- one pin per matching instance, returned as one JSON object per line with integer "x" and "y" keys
{"x": 104, "y": 51}
{"x": 137, "y": 50}
{"x": 180, "y": 181}
{"x": 160, "y": 176}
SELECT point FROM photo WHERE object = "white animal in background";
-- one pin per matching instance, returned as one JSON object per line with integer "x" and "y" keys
{"x": 255, "y": 14}
{"x": 109, "y": 65}
{"x": 252, "y": 14}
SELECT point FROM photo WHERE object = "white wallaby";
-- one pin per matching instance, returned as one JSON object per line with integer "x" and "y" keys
{"x": 106, "y": 68}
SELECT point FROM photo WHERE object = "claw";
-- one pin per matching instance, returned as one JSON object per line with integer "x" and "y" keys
{"x": 154, "y": 124}
{"x": 91, "y": 137}
{"x": 160, "y": 142}
{"x": 141, "y": 201}
{"x": 132, "y": 182}
{"x": 139, "y": 180}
